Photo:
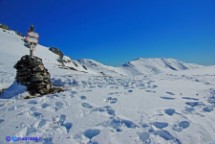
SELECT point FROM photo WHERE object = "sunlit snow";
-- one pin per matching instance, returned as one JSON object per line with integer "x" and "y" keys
{"x": 145, "y": 101}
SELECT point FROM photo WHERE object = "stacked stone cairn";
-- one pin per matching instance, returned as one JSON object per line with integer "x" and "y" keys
{"x": 32, "y": 74}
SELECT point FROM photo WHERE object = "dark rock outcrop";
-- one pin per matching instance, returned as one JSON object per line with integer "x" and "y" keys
{"x": 32, "y": 73}
{"x": 1, "y": 91}
{"x": 19, "y": 33}
{"x": 84, "y": 67}
{"x": 57, "y": 51}
{"x": 5, "y": 27}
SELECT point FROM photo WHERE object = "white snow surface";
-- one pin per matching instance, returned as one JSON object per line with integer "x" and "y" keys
{"x": 145, "y": 101}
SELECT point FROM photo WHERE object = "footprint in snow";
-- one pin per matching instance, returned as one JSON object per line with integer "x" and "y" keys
{"x": 37, "y": 115}
{"x": 83, "y": 97}
{"x": 111, "y": 100}
{"x": 48, "y": 140}
{"x": 184, "y": 124}
{"x": 90, "y": 133}
{"x": 170, "y": 93}
{"x": 180, "y": 126}
{"x": 27, "y": 130}
{"x": 193, "y": 104}
{"x": 189, "y": 98}
{"x": 167, "y": 136}
{"x": 58, "y": 105}
{"x": 12, "y": 108}
{"x": 45, "y": 105}
{"x": 211, "y": 99}
{"x": 30, "y": 130}
{"x": 169, "y": 111}
{"x": 160, "y": 125}
{"x": 33, "y": 108}
{"x": 130, "y": 91}
{"x": 113, "y": 93}
{"x": 1, "y": 105}
{"x": 145, "y": 125}
{"x": 188, "y": 110}
{"x": 62, "y": 119}
{"x": 150, "y": 91}
{"x": 73, "y": 92}
{"x": 118, "y": 123}
{"x": 208, "y": 108}
{"x": 61, "y": 122}
{"x": 167, "y": 98}
{"x": 42, "y": 123}
{"x": 1, "y": 121}
{"x": 110, "y": 111}
{"x": 33, "y": 102}
{"x": 86, "y": 105}
{"x": 68, "y": 126}
{"x": 145, "y": 137}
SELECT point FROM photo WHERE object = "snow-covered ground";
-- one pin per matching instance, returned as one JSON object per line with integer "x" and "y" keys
{"x": 145, "y": 101}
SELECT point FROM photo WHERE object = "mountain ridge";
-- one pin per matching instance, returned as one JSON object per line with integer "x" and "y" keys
{"x": 140, "y": 66}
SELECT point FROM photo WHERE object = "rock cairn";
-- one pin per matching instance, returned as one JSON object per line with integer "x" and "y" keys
{"x": 32, "y": 73}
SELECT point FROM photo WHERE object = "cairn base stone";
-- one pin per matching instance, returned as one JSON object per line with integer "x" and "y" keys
{"x": 32, "y": 74}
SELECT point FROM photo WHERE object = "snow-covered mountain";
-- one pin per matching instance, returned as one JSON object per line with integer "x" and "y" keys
{"x": 13, "y": 47}
{"x": 139, "y": 66}
{"x": 101, "y": 69}
{"x": 157, "y": 65}
{"x": 145, "y": 101}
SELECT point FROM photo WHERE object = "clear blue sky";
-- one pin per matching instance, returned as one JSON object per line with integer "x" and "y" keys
{"x": 116, "y": 31}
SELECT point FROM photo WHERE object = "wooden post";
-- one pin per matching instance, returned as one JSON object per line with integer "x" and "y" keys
{"x": 31, "y": 51}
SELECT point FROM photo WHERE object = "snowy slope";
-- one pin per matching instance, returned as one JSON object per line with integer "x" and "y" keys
{"x": 165, "y": 107}
{"x": 12, "y": 48}
{"x": 99, "y": 68}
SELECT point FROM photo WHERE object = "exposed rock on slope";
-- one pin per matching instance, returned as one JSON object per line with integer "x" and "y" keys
{"x": 57, "y": 51}
{"x": 5, "y": 27}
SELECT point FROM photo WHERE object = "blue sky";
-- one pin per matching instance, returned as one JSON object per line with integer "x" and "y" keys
{"x": 116, "y": 31}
